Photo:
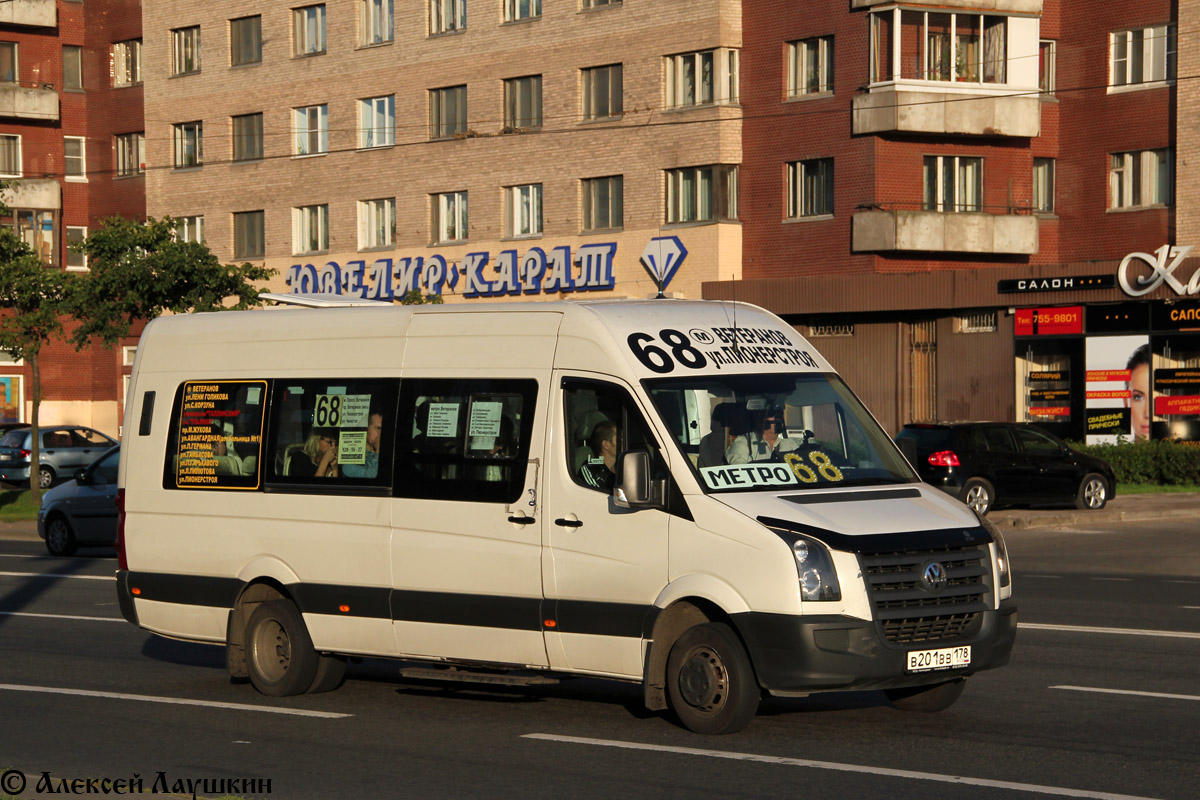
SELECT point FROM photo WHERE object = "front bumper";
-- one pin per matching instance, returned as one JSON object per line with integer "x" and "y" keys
{"x": 796, "y": 654}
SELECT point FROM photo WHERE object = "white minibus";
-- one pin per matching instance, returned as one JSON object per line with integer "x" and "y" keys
{"x": 681, "y": 494}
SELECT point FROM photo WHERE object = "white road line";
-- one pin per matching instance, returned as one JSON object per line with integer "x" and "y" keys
{"x": 180, "y": 701}
{"x": 1177, "y": 581}
{"x": 1049, "y": 577}
{"x": 58, "y": 616}
{"x": 1191, "y": 608}
{"x": 56, "y": 575}
{"x": 833, "y": 765}
{"x": 1035, "y": 626}
{"x": 1162, "y": 695}
{"x": 1121, "y": 580}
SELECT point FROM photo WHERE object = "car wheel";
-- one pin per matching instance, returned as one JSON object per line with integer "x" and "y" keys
{"x": 926, "y": 699}
{"x": 710, "y": 681}
{"x": 1092, "y": 494}
{"x": 279, "y": 653}
{"x": 979, "y": 495}
{"x": 60, "y": 539}
{"x": 45, "y": 477}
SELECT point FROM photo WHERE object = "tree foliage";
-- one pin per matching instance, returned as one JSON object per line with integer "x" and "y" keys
{"x": 137, "y": 271}
{"x": 413, "y": 297}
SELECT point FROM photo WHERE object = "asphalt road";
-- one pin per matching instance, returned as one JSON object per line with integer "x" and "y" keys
{"x": 1101, "y": 700}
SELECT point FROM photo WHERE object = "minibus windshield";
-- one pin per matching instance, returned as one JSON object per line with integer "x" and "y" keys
{"x": 773, "y": 432}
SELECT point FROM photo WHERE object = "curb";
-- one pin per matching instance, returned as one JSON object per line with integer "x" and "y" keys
{"x": 1051, "y": 519}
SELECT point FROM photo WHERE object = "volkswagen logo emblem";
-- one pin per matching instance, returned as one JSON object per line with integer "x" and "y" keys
{"x": 934, "y": 577}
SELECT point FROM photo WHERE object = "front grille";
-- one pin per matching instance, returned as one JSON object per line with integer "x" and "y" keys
{"x": 910, "y": 611}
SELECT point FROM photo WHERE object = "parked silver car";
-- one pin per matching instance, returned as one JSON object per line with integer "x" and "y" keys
{"x": 82, "y": 511}
{"x": 64, "y": 449}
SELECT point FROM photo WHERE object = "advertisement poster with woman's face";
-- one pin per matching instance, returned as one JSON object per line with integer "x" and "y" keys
{"x": 1118, "y": 389}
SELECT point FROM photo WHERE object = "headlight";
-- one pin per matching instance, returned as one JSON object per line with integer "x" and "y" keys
{"x": 818, "y": 578}
{"x": 1003, "y": 568}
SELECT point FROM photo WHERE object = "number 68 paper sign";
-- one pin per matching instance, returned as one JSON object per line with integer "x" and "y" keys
{"x": 820, "y": 465}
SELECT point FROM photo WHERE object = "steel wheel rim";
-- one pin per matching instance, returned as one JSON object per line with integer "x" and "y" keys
{"x": 703, "y": 680}
{"x": 272, "y": 650}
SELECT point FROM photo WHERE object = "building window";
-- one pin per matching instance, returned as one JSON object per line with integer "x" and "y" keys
{"x": 72, "y": 66}
{"x": 603, "y": 203}
{"x": 37, "y": 228}
{"x": 702, "y": 194}
{"x": 245, "y": 41}
{"x": 127, "y": 63}
{"x": 447, "y": 15}
{"x": 810, "y": 66}
{"x": 189, "y": 229}
{"x": 521, "y": 9}
{"x": 1043, "y": 185}
{"x": 938, "y": 46}
{"x": 311, "y": 130}
{"x": 75, "y": 165}
{"x": 1140, "y": 178}
{"x": 186, "y": 42}
{"x": 248, "y": 137}
{"x": 602, "y": 92}
{"x": 10, "y": 156}
{"x": 1144, "y": 55}
{"x": 600, "y": 3}
{"x": 75, "y": 260}
{"x": 980, "y": 322}
{"x": 695, "y": 79}
{"x": 8, "y": 62}
{"x": 376, "y": 223}
{"x": 953, "y": 183}
{"x": 131, "y": 154}
{"x": 377, "y": 122}
{"x": 449, "y": 217}
{"x": 377, "y": 21}
{"x": 308, "y": 30}
{"x": 831, "y": 330}
{"x": 310, "y": 229}
{"x": 447, "y": 111}
{"x": 522, "y": 103}
{"x": 249, "y": 240}
{"x": 1046, "y": 53}
{"x": 189, "y": 144}
{"x": 810, "y": 188}
{"x": 523, "y": 210}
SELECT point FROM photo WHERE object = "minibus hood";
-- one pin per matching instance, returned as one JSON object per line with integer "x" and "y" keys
{"x": 857, "y": 511}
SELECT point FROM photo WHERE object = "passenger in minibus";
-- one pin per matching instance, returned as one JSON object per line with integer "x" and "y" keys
{"x": 600, "y": 473}
{"x": 370, "y": 466}
{"x": 320, "y": 456}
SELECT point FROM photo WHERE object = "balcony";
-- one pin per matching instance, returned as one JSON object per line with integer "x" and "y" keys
{"x": 43, "y": 193}
{"x": 1008, "y": 6}
{"x": 907, "y": 109}
{"x": 938, "y": 232}
{"x": 26, "y": 102}
{"x": 33, "y": 13}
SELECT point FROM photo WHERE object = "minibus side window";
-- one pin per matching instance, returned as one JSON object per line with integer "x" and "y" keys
{"x": 332, "y": 432}
{"x": 603, "y": 422}
{"x": 464, "y": 439}
{"x": 215, "y": 439}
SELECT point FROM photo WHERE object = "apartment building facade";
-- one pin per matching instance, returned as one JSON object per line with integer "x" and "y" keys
{"x": 70, "y": 129}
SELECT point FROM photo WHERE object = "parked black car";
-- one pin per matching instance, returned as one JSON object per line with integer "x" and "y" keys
{"x": 986, "y": 464}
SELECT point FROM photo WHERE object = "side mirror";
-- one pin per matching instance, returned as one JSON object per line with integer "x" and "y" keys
{"x": 81, "y": 477}
{"x": 634, "y": 486}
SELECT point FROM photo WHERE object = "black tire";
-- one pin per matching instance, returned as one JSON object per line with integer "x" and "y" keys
{"x": 330, "y": 672}
{"x": 60, "y": 539}
{"x": 1093, "y": 492}
{"x": 45, "y": 476}
{"x": 927, "y": 699}
{"x": 279, "y": 653}
{"x": 710, "y": 681}
{"x": 979, "y": 495}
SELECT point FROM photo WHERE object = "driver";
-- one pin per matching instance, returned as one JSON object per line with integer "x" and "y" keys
{"x": 763, "y": 442}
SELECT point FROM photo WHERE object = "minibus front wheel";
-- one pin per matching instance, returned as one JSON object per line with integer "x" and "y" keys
{"x": 710, "y": 681}
{"x": 279, "y": 652}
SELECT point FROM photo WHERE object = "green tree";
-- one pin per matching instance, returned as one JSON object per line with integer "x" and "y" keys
{"x": 413, "y": 297}
{"x": 138, "y": 271}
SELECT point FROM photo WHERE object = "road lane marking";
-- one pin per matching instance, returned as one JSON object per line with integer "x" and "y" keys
{"x": 1191, "y": 608}
{"x": 179, "y": 701}
{"x": 1176, "y": 581}
{"x": 57, "y": 575}
{"x": 839, "y": 767}
{"x": 1036, "y": 626}
{"x": 1121, "y": 580}
{"x": 59, "y": 616}
{"x": 1162, "y": 695}
{"x": 1048, "y": 577}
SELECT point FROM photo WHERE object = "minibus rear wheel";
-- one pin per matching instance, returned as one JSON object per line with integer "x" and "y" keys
{"x": 710, "y": 681}
{"x": 279, "y": 652}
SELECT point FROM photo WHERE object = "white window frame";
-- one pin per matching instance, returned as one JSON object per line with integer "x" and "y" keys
{"x": 68, "y": 253}
{"x": 127, "y": 63}
{"x": 130, "y": 146}
{"x": 308, "y": 30}
{"x": 615, "y": 211}
{"x": 186, "y": 137}
{"x": 1142, "y": 58}
{"x": 523, "y": 210}
{"x": 801, "y": 70}
{"x": 16, "y": 64}
{"x": 376, "y": 122}
{"x": 80, "y": 175}
{"x": 686, "y": 86}
{"x": 20, "y": 157}
{"x": 190, "y": 229}
{"x": 960, "y": 168}
{"x": 929, "y": 72}
{"x": 185, "y": 50}
{"x": 808, "y": 174}
{"x": 689, "y": 200}
{"x": 523, "y": 102}
{"x": 1141, "y": 179}
{"x": 310, "y": 130}
{"x": 128, "y": 354}
{"x": 376, "y": 223}
{"x": 1043, "y": 185}
{"x": 1047, "y": 65}
{"x": 310, "y": 229}
{"x": 519, "y": 10}
{"x": 441, "y": 126}
{"x": 614, "y": 104}
{"x": 446, "y": 16}
{"x": 378, "y": 21}
{"x": 589, "y": 4}
{"x": 450, "y": 219}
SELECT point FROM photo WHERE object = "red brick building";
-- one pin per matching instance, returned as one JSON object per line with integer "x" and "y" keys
{"x": 71, "y": 143}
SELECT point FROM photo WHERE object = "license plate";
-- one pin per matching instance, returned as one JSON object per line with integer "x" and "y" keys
{"x": 946, "y": 658}
{"x": 5, "y": 457}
